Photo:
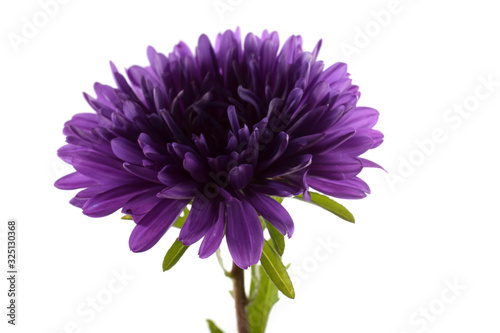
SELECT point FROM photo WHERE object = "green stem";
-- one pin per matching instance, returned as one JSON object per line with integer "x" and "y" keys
{"x": 240, "y": 298}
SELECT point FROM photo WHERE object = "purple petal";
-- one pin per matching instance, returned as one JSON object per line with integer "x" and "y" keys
{"x": 73, "y": 181}
{"x": 66, "y": 152}
{"x": 355, "y": 146}
{"x": 136, "y": 75}
{"x": 174, "y": 127}
{"x": 353, "y": 188}
{"x": 127, "y": 151}
{"x": 120, "y": 81}
{"x": 142, "y": 172}
{"x": 179, "y": 191}
{"x": 172, "y": 174}
{"x": 103, "y": 169}
{"x": 110, "y": 201}
{"x": 370, "y": 164}
{"x": 233, "y": 119}
{"x": 275, "y": 150}
{"x": 334, "y": 73}
{"x": 272, "y": 211}
{"x": 276, "y": 188}
{"x": 360, "y": 117}
{"x": 336, "y": 167}
{"x": 268, "y": 54}
{"x": 107, "y": 95}
{"x": 133, "y": 111}
{"x": 244, "y": 234}
{"x": 288, "y": 166}
{"x": 93, "y": 191}
{"x": 218, "y": 163}
{"x": 201, "y": 218}
{"x": 84, "y": 121}
{"x": 254, "y": 100}
{"x": 298, "y": 179}
{"x": 251, "y": 49}
{"x": 196, "y": 168}
{"x": 240, "y": 176}
{"x": 155, "y": 224}
{"x": 332, "y": 141}
{"x": 291, "y": 48}
{"x": 215, "y": 234}
{"x": 142, "y": 203}
{"x": 318, "y": 94}
{"x": 205, "y": 56}
{"x": 78, "y": 202}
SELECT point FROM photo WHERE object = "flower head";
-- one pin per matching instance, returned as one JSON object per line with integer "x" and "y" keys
{"x": 225, "y": 128}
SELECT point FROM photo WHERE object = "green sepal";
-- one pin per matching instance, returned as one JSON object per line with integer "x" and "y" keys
{"x": 126, "y": 217}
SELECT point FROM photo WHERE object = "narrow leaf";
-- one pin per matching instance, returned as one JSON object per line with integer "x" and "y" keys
{"x": 330, "y": 205}
{"x": 266, "y": 295}
{"x": 254, "y": 283}
{"x": 277, "y": 238}
{"x": 279, "y": 199}
{"x": 173, "y": 255}
{"x": 213, "y": 328}
{"x": 221, "y": 262}
{"x": 126, "y": 217}
{"x": 276, "y": 271}
{"x": 182, "y": 218}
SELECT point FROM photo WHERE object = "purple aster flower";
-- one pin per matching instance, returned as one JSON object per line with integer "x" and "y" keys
{"x": 225, "y": 129}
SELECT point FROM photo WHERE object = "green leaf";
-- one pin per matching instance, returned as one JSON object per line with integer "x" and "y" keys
{"x": 266, "y": 295}
{"x": 279, "y": 199}
{"x": 213, "y": 328}
{"x": 173, "y": 255}
{"x": 277, "y": 238}
{"x": 254, "y": 283}
{"x": 330, "y": 205}
{"x": 126, "y": 217}
{"x": 221, "y": 262}
{"x": 276, "y": 271}
{"x": 182, "y": 218}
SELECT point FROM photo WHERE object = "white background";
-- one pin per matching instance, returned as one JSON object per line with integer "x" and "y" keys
{"x": 437, "y": 222}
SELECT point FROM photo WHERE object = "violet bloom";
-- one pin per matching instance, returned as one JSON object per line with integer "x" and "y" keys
{"x": 224, "y": 129}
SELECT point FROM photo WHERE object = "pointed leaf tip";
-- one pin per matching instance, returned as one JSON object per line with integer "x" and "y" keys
{"x": 174, "y": 254}
{"x": 213, "y": 328}
{"x": 276, "y": 271}
{"x": 330, "y": 205}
